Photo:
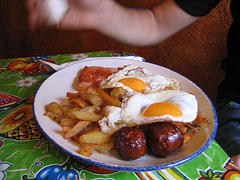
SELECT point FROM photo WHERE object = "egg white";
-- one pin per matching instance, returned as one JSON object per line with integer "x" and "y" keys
{"x": 153, "y": 82}
{"x": 132, "y": 109}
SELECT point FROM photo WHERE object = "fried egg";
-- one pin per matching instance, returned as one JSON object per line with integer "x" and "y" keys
{"x": 138, "y": 80}
{"x": 168, "y": 105}
{"x": 174, "y": 105}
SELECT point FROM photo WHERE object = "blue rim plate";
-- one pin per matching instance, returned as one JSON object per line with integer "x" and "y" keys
{"x": 54, "y": 88}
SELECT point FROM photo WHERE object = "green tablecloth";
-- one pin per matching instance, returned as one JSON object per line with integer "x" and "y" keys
{"x": 26, "y": 154}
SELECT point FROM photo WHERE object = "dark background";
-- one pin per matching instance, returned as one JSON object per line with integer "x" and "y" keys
{"x": 196, "y": 52}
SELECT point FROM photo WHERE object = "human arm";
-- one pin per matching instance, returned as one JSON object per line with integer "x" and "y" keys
{"x": 139, "y": 27}
{"x": 132, "y": 26}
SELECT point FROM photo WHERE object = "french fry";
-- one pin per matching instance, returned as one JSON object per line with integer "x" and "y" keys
{"x": 53, "y": 116}
{"x": 69, "y": 114}
{"x": 66, "y": 108}
{"x": 78, "y": 116}
{"x": 64, "y": 102}
{"x": 72, "y": 95}
{"x": 117, "y": 93}
{"x": 78, "y": 101}
{"x": 95, "y": 100}
{"x": 86, "y": 114}
{"x": 95, "y": 136}
{"x": 68, "y": 122}
{"x": 65, "y": 129}
{"x": 92, "y": 91}
{"x": 55, "y": 108}
{"x": 186, "y": 138}
{"x": 109, "y": 99}
{"x": 103, "y": 148}
{"x": 76, "y": 129}
{"x": 92, "y": 98}
{"x": 86, "y": 150}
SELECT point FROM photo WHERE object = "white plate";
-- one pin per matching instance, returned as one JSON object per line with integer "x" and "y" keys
{"x": 55, "y": 87}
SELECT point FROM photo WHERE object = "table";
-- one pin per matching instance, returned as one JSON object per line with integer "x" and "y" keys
{"x": 26, "y": 154}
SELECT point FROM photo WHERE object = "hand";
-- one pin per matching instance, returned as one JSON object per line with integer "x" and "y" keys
{"x": 133, "y": 26}
{"x": 33, "y": 8}
{"x": 81, "y": 14}
{"x": 85, "y": 14}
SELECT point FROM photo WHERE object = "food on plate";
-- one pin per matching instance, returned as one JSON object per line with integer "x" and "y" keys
{"x": 164, "y": 138}
{"x": 174, "y": 105}
{"x": 56, "y": 109}
{"x": 93, "y": 76}
{"x": 95, "y": 136}
{"x": 86, "y": 113}
{"x": 135, "y": 79}
{"x": 115, "y": 108}
{"x": 78, "y": 127}
{"x": 109, "y": 99}
{"x": 130, "y": 143}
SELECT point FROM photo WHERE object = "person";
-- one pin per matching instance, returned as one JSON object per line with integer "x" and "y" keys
{"x": 144, "y": 27}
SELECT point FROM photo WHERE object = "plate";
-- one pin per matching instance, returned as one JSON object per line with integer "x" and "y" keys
{"x": 55, "y": 87}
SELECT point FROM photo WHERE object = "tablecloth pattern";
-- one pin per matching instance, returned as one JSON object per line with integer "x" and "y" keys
{"x": 25, "y": 153}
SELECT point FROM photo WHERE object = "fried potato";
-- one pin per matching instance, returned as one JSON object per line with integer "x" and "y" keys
{"x": 109, "y": 99}
{"x": 73, "y": 95}
{"x": 92, "y": 91}
{"x": 53, "y": 116}
{"x": 95, "y": 136}
{"x": 64, "y": 102}
{"x": 65, "y": 129}
{"x": 186, "y": 138}
{"x": 86, "y": 150}
{"x": 95, "y": 100}
{"x": 117, "y": 93}
{"x": 55, "y": 108}
{"x": 76, "y": 129}
{"x": 66, "y": 108}
{"x": 78, "y": 115}
{"x": 68, "y": 122}
{"x": 92, "y": 97}
{"x": 78, "y": 101}
{"x": 86, "y": 114}
{"x": 103, "y": 148}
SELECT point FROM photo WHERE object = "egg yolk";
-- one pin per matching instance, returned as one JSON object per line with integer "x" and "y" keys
{"x": 134, "y": 83}
{"x": 159, "y": 109}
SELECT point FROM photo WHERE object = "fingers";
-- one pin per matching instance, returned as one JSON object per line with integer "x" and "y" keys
{"x": 76, "y": 17}
{"x": 75, "y": 20}
{"x": 30, "y": 4}
{"x": 33, "y": 18}
{"x": 69, "y": 21}
{"x": 33, "y": 9}
{"x": 71, "y": 18}
{"x": 40, "y": 16}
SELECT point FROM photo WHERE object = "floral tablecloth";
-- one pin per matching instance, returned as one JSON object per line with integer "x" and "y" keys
{"x": 26, "y": 154}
